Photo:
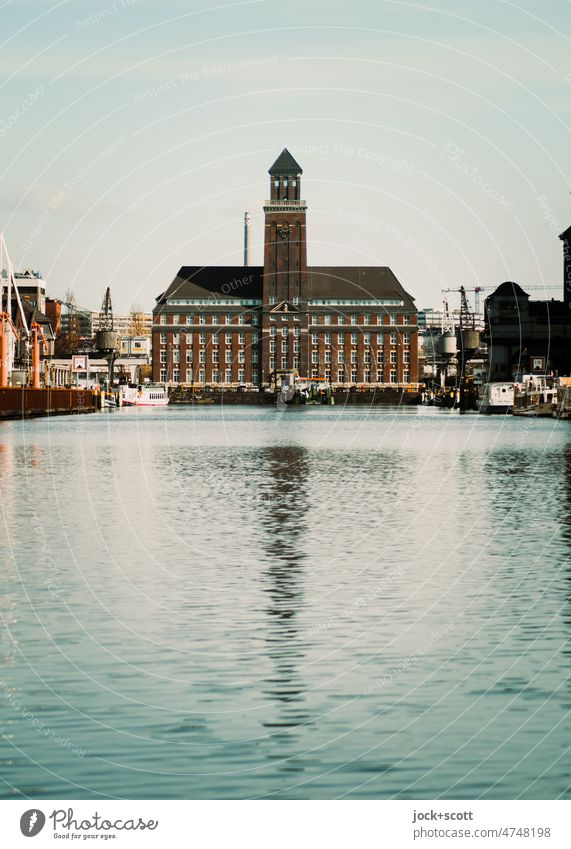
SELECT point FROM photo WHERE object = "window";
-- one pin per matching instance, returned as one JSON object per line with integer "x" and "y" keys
{"x": 254, "y": 356}
{"x": 189, "y": 375}
{"x": 175, "y": 319}
{"x": 284, "y": 331}
{"x": 314, "y": 357}
{"x": 241, "y": 357}
{"x": 296, "y": 362}
{"x": 202, "y": 357}
{"x": 406, "y": 357}
{"x": 272, "y": 363}
{"x": 163, "y": 338}
{"x": 214, "y": 319}
{"x": 162, "y": 319}
{"x": 215, "y": 376}
{"x": 367, "y": 377}
{"x": 366, "y": 319}
{"x": 202, "y": 319}
{"x": 272, "y": 299}
{"x": 340, "y": 356}
{"x": 313, "y": 319}
{"x": 163, "y": 356}
{"x": 406, "y": 376}
{"x": 163, "y": 375}
{"x": 284, "y": 346}
{"x": 406, "y": 319}
{"x": 367, "y": 338}
{"x": 255, "y": 319}
{"x": 393, "y": 338}
{"x": 202, "y": 338}
{"x": 328, "y": 376}
{"x": 189, "y": 356}
{"x": 227, "y": 319}
{"x": 379, "y": 319}
{"x": 393, "y": 357}
{"x": 273, "y": 331}
{"x": 314, "y": 339}
{"x": 296, "y": 346}
{"x": 406, "y": 338}
{"x": 339, "y": 377}
{"x": 228, "y": 356}
{"x": 327, "y": 319}
{"x": 328, "y": 338}
{"x": 353, "y": 356}
{"x": 176, "y": 375}
{"x": 176, "y": 356}
{"x": 272, "y": 346}
{"x": 284, "y": 362}
{"x": 242, "y": 338}
{"x": 341, "y": 338}
{"x": 353, "y": 339}
{"x": 228, "y": 338}
{"x": 340, "y": 319}
{"x": 176, "y": 338}
{"x": 255, "y": 338}
{"x": 241, "y": 319}
{"x": 328, "y": 356}
{"x": 215, "y": 356}
{"x": 380, "y": 358}
{"x": 241, "y": 375}
{"x": 297, "y": 331}
{"x": 393, "y": 377}
{"x": 228, "y": 375}
{"x": 367, "y": 357}
{"x": 189, "y": 338}
{"x": 314, "y": 372}
{"x": 296, "y": 301}
{"x": 254, "y": 375}
{"x": 393, "y": 319}
{"x": 353, "y": 377}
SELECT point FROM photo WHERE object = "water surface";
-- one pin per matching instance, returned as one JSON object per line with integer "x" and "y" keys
{"x": 316, "y": 603}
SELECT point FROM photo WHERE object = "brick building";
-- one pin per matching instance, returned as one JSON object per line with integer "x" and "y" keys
{"x": 235, "y": 325}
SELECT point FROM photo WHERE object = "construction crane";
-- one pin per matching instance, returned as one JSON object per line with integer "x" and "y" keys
{"x": 478, "y": 290}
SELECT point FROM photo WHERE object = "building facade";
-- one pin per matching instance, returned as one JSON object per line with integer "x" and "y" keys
{"x": 237, "y": 325}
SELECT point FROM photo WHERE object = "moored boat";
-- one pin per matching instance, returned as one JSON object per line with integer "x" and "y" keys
{"x": 563, "y": 407}
{"x": 145, "y": 395}
{"x": 496, "y": 397}
{"x": 535, "y": 396}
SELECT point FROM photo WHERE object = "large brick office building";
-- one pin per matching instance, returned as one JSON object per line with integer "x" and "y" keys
{"x": 233, "y": 325}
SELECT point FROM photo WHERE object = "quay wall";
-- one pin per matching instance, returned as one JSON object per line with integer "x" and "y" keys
{"x": 373, "y": 396}
{"x": 21, "y": 402}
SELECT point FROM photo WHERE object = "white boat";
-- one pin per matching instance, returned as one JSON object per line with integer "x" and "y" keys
{"x": 563, "y": 408}
{"x": 145, "y": 395}
{"x": 497, "y": 397}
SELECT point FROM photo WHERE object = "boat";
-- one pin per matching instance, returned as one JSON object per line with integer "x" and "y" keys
{"x": 145, "y": 395}
{"x": 496, "y": 397}
{"x": 536, "y": 395}
{"x": 563, "y": 407}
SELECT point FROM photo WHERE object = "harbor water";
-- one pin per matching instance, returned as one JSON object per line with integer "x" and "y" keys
{"x": 204, "y": 602}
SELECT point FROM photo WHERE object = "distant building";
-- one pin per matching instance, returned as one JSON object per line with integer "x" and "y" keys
{"x": 238, "y": 324}
{"x": 135, "y": 346}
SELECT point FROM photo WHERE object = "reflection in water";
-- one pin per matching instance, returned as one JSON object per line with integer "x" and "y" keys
{"x": 283, "y": 520}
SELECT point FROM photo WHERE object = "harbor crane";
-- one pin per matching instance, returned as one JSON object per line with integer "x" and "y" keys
{"x": 106, "y": 339}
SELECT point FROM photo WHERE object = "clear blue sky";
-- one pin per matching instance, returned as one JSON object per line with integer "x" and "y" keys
{"x": 434, "y": 137}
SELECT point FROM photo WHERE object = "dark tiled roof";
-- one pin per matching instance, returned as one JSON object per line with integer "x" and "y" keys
{"x": 509, "y": 288}
{"x": 285, "y": 164}
{"x": 196, "y": 281}
{"x": 566, "y": 234}
{"x": 355, "y": 281}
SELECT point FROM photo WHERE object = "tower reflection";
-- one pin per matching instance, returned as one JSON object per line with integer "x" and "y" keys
{"x": 284, "y": 523}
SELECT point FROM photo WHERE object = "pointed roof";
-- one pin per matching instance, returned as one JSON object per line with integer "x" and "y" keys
{"x": 285, "y": 164}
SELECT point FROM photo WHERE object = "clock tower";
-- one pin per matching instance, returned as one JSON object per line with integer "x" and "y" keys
{"x": 285, "y": 318}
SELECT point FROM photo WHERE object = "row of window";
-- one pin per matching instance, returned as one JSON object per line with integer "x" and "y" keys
{"x": 244, "y": 318}
{"x": 240, "y": 357}
{"x": 240, "y": 338}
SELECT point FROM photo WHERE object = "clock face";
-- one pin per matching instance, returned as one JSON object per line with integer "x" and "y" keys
{"x": 283, "y": 231}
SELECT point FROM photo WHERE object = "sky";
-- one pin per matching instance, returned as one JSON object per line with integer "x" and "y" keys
{"x": 433, "y": 137}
